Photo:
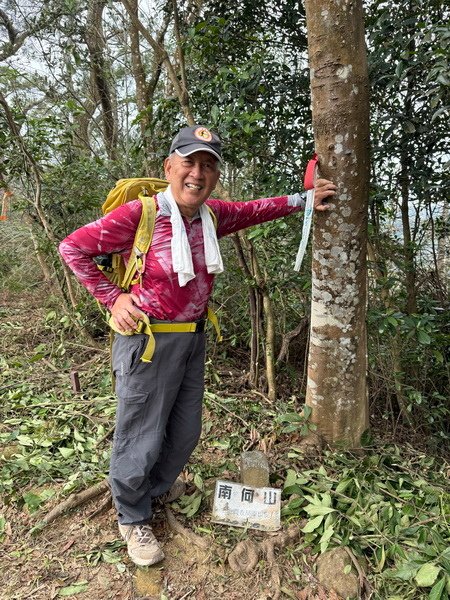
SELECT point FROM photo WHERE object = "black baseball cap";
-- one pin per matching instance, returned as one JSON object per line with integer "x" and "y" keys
{"x": 195, "y": 139}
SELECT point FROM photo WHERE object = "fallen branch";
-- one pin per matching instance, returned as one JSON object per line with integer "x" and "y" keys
{"x": 75, "y": 500}
{"x": 177, "y": 527}
{"x": 105, "y": 505}
{"x": 288, "y": 337}
{"x": 211, "y": 399}
{"x": 363, "y": 581}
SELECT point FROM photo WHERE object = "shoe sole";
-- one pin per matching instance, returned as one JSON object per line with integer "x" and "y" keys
{"x": 142, "y": 562}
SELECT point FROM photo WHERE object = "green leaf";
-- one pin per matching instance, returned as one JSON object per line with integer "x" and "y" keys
{"x": 318, "y": 510}
{"x": 307, "y": 410}
{"x": 347, "y": 569}
{"x": 313, "y": 524}
{"x": 221, "y": 444}
{"x": 427, "y": 575}
{"x": 405, "y": 571}
{"x": 326, "y": 499}
{"x": 438, "y": 356}
{"x": 72, "y": 590}
{"x": 354, "y": 520}
{"x": 423, "y": 337}
{"x": 289, "y": 418}
{"x": 32, "y": 500}
{"x": 198, "y": 482}
{"x": 215, "y": 113}
{"x": 25, "y": 440}
{"x": 66, "y": 452}
{"x": 291, "y": 478}
{"x": 325, "y": 539}
{"x": 77, "y": 435}
{"x": 194, "y": 506}
{"x": 343, "y": 485}
{"x": 380, "y": 556}
{"x": 437, "y": 590}
{"x": 408, "y": 126}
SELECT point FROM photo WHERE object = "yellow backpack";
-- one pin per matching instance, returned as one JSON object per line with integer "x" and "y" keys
{"x": 144, "y": 189}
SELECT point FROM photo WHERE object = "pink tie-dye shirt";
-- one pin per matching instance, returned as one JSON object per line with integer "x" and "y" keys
{"x": 161, "y": 296}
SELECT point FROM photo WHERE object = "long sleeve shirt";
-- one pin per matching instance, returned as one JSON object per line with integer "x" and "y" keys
{"x": 160, "y": 293}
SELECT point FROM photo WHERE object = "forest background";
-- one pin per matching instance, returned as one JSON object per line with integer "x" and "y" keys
{"x": 93, "y": 91}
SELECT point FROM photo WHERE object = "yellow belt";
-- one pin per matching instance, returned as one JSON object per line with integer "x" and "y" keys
{"x": 144, "y": 326}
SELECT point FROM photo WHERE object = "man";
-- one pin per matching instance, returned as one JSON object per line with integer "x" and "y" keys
{"x": 158, "y": 421}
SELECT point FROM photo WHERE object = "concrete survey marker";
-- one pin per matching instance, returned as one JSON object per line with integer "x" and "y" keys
{"x": 245, "y": 506}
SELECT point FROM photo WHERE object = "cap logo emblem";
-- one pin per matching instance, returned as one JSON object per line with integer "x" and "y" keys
{"x": 203, "y": 134}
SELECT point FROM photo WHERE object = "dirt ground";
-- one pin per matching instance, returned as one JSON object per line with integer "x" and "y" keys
{"x": 63, "y": 555}
{"x": 81, "y": 556}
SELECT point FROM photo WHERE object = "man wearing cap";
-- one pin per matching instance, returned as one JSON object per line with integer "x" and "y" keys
{"x": 158, "y": 421}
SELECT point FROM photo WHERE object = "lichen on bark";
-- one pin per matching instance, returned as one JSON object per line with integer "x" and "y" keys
{"x": 336, "y": 389}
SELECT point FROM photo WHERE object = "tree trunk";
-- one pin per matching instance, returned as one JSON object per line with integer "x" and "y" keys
{"x": 408, "y": 248}
{"x": 269, "y": 328}
{"x": 443, "y": 251}
{"x": 96, "y": 45}
{"x": 142, "y": 97}
{"x": 238, "y": 240}
{"x": 406, "y": 162}
{"x": 337, "y": 389}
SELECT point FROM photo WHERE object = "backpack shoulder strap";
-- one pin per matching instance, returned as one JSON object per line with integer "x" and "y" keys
{"x": 142, "y": 242}
{"x": 213, "y": 216}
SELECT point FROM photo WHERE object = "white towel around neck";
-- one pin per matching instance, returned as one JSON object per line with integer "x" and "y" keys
{"x": 181, "y": 250}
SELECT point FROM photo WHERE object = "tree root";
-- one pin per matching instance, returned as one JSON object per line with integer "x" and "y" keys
{"x": 280, "y": 541}
{"x": 177, "y": 527}
{"x": 75, "y": 500}
{"x": 246, "y": 554}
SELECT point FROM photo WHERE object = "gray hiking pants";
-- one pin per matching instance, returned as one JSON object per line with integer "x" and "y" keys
{"x": 158, "y": 419}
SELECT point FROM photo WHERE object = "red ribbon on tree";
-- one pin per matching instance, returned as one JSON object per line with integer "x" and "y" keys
{"x": 310, "y": 172}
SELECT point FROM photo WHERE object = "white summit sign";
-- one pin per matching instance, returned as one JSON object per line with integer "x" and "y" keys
{"x": 245, "y": 506}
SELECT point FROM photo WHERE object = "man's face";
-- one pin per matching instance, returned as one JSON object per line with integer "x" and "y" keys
{"x": 192, "y": 179}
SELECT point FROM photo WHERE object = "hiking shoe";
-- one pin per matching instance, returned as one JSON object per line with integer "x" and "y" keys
{"x": 178, "y": 489}
{"x": 143, "y": 547}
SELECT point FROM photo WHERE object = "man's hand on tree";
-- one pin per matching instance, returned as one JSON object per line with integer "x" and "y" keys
{"x": 324, "y": 189}
{"x": 125, "y": 312}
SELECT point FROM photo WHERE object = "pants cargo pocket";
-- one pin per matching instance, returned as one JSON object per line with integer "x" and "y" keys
{"x": 131, "y": 410}
{"x": 132, "y": 389}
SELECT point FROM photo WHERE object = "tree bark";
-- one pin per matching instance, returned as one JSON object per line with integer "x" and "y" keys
{"x": 408, "y": 248}
{"x": 337, "y": 389}
{"x": 238, "y": 240}
{"x": 443, "y": 251}
{"x": 96, "y": 44}
{"x": 269, "y": 328}
{"x": 142, "y": 98}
